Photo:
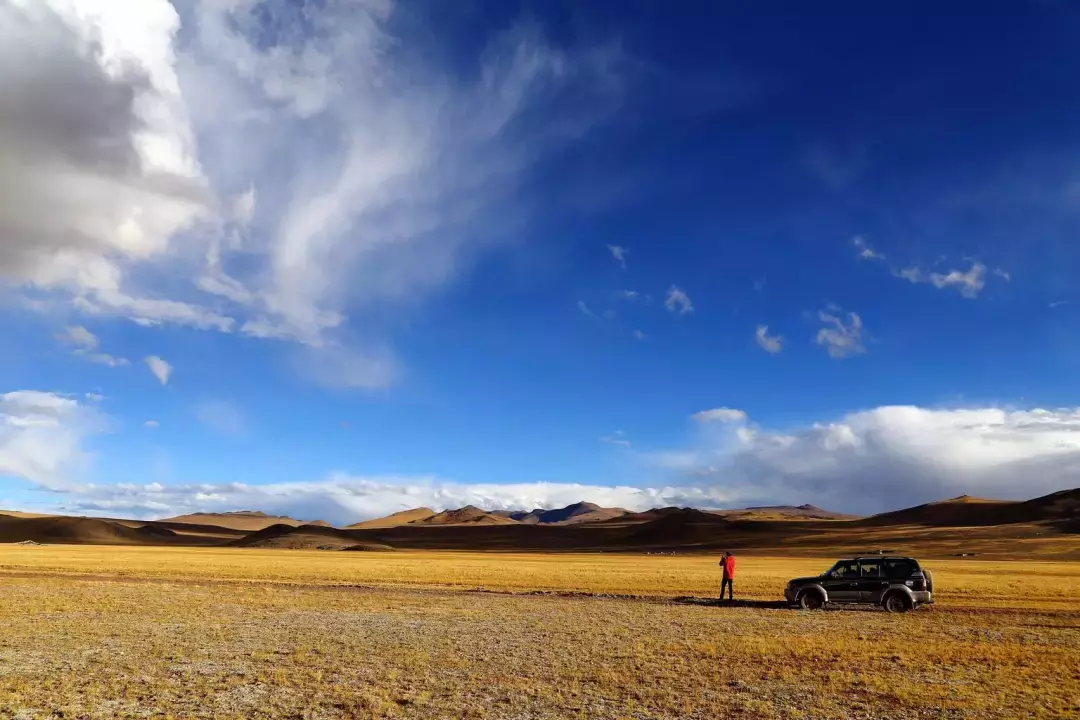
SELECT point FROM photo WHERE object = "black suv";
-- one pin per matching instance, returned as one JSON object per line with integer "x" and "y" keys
{"x": 897, "y": 584}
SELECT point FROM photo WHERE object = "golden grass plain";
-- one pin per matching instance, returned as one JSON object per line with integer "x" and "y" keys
{"x": 125, "y": 632}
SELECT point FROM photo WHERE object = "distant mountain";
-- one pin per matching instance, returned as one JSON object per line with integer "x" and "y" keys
{"x": 468, "y": 515}
{"x": 580, "y": 512}
{"x": 246, "y": 520}
{"x": 403, "y": 517}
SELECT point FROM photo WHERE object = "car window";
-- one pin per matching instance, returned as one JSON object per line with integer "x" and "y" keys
{"x": 870, "y": 569}
{"x": 900, "y": 568}
{"x": 845, "y": 570}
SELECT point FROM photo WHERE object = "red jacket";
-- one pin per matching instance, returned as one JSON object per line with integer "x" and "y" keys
{"x": 729, "y": 566}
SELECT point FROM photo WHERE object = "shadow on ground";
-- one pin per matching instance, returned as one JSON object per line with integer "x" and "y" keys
{"x": 716, "y": 602}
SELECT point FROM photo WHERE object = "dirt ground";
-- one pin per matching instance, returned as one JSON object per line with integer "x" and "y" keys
{"x": 111, "y": 633}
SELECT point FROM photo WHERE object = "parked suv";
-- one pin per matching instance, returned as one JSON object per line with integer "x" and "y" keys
{"x": 897, "y": 584}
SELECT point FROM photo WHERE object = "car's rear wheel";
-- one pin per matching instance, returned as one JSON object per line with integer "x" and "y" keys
{"x": 811, "y": 600}
{"x": 897, "y": 603}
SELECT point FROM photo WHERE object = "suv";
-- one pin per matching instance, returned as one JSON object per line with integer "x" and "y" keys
{"x": 897, "y": 584}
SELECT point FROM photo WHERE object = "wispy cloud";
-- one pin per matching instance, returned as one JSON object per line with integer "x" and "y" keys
{"x": 771, "y": 344}
{"x": 629, "y": 294}
{"x": 616, "y": 438}
{"x": 619, "y": 253}
{"x": 865, "y": 251}
{"x": 159, "y": 368}
{"x": 841, "y": 338}
{"x": 639, "y": 335}
{"x": 585, "y": 310}
{"x": 722, "y": 414}
{"x": 222, "y": 416}
{"x": 86, "y": 344}
{"x": 399, "y": 170}
{"x": 678, "y": 301}
{"x": 152, "y": 424}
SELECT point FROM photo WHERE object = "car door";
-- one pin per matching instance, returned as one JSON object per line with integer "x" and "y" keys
{"x": 872, "y": 581}
{"x": 842, "y": 582}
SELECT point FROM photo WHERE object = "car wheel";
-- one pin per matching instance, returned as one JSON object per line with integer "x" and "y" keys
{"x": 897, "y": 603}
{"x": 811, "y": 601}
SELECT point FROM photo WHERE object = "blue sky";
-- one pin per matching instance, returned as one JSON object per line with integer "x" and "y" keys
{"x": 395, "y": 254}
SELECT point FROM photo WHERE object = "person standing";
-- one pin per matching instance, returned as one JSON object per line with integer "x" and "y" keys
{"x": 727, "y": 565}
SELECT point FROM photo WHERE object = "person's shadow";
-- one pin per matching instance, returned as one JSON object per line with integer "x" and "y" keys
{"x": 716, "y": 602}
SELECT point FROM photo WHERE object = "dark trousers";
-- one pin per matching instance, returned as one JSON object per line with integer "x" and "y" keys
{"x": 726, "y": 583}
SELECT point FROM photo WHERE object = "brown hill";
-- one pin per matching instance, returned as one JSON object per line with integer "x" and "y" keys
{"x": 783, "y": 512}
{"x": 306, "y": 537}
{"x": 399, "y": 518}
{"x": 468, "y": 515}
{"x": 246, "y": 520}
{"x": 78, "y": 530}
{"x": 580, "y": 512}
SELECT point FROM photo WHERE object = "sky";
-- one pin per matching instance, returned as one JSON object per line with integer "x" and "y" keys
{"x": 340, "y": 258}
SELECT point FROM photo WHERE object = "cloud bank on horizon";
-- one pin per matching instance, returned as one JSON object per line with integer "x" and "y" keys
{"x": 864, "y": 462}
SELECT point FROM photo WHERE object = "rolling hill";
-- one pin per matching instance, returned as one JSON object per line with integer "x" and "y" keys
{"x": 403, "y": 517}
{"x": 468, "y": 515}
{"x": 580, "y": 512}
{"x": 246, "y": 520}
{"x": 79, "y": 530}
{"x": 306, "y": 537}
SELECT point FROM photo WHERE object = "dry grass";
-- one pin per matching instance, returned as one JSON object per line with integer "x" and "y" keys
{"x": 95, "y": 632}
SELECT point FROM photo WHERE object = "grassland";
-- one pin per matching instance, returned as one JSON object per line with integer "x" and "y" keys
{"x": 104, "y": 632}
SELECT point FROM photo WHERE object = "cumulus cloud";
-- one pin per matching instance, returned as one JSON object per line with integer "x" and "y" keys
{"x": 678, "y": 301}
{"x": 41, "y": 436}
{"x": 619, "y": 253}
{"x": 343, "y": 499}
{"x": 771, "y": 344}
{"x": 866, "y": 461}
{"x": 726, "y": 415}
{"x": 841, "y": 338}
{"x": 338, "y": 169}
{"x": 893, "y": 457}
{"x": 969, "y": 283}
{"x": 159, "y": 368}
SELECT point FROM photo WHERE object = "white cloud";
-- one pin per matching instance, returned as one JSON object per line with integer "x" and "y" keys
{"x": 970, "y": 283}
{"x": 771, "y": 344}
{"x": 79, "y": 336}
{"x": 892, "y": 457}
{"x": 619, "y": 253}
{"x": 628, "y": 294}
{"x": 222, "y": 416}
{"x": 639, "y": 335}
{"x": 41, "y": 436}
{"x": 94, "y": 397}
{"x": 338, "y": 170}
{"x": 585, "y": 310}
{"x": 841, "y": 339}
{"x": 865, "y": 251}
{"x": 152, "y": 424}
{"x": 86, "y": 342}
{"x": 678, "y": 301}
{"x": 869, "y": 461}
{"x": 1004, "y": 275}
{"x": 159, "y": 368}
{"x": 615, "y": 440}
{"x": 723, "y": 414}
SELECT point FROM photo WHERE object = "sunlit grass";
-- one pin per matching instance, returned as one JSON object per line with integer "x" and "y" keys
{"x": 209, "y": 633}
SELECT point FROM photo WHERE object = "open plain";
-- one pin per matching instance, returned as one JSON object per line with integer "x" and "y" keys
{"x": 167, "y": 632}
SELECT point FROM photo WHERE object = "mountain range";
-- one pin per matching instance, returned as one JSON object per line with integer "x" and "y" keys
{"x": 956, "y": 526}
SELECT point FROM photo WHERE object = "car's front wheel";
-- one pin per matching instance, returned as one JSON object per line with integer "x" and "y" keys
{"x": 811, "y": 600}
{"x": 897, "y": 602}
